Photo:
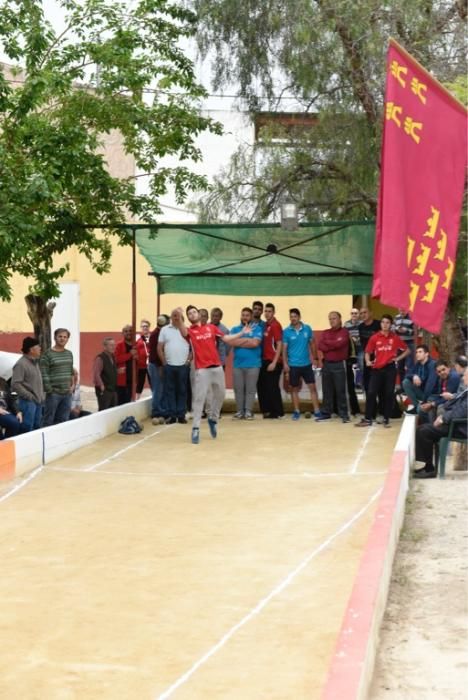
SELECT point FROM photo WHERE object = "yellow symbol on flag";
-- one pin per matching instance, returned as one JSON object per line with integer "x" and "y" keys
{"x": 422, "y": 260}
{"x": 419, "y": 89}
{"x": 413, "y": 295}
{"x": 441, "y": 245}
{"x": 448, "y": 274}
{"x": 410, "y": 249}
{"x": 398, "y": 72}
{"x": 432, "y": 222}
{"x": 431, "y": 288}
{"x": 392, "y": 112}
{"x": 411, "y": 128}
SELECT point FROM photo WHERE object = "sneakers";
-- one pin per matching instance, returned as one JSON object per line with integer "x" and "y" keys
{"x": 318, "y": 414}
{"x": 296, "y": 415}
{"x": 238, "y": 416}
{"x": 363, "y": 423}
{"x": 158, "y": 420}
{"x": 323, "y": 416}
{"x": 386, "y": 424}
{"x": 213, "y": 426}
{"x": 195, "y": 436}
{"x": 249, "y": 415}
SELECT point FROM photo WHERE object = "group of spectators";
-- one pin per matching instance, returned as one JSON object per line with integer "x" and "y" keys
{"x": 44, "y": 388}
{"x": 378, "y": 356}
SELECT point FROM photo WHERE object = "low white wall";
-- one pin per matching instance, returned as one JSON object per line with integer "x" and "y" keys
{"x": 48, "y": 444}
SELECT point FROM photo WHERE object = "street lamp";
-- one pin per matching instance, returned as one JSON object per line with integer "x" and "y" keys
{"x": 289, "y": 215}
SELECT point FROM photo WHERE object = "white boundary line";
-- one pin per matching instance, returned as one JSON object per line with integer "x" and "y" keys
{"x": 354, "y": 466}
{"x": 125, "y": 449}
{"x": 264, "y": 602}
{"x": 19, "y": 486}
{"x": 162, "y": 475}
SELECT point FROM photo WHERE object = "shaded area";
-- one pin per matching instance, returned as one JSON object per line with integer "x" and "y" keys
{"x": 317, "y": 258}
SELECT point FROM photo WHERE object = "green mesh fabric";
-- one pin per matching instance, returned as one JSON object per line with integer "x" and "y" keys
{"x": 331, "y": 258}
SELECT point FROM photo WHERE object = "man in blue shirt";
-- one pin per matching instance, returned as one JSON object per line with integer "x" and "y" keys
{"x": 420, "y": 380}
{"x": 298, "y": 347}
{"x": 246, "y": 366}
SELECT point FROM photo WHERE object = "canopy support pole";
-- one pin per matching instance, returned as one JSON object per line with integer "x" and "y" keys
{"x": 134, "y": 311}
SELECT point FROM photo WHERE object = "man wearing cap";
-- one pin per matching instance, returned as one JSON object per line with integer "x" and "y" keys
{"x": 27, "y": 383}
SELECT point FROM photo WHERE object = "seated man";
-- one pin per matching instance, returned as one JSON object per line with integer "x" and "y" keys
{"x": 11, "y": 420}
{"x": 446, "y": 388}
{"x": 428, "y": 435}
{"x": 421, "y": 379}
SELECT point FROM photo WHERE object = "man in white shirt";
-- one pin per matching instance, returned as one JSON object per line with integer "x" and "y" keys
{"x": 174, "y": 353}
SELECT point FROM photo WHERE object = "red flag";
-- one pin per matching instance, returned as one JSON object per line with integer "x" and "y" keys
{"x": 421, "y": 191}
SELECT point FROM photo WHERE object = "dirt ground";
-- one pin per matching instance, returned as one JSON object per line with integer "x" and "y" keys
{"x": 423, "y": 654}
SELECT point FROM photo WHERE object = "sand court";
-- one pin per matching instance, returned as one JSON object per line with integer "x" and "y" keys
{"x": 144, "y": 567}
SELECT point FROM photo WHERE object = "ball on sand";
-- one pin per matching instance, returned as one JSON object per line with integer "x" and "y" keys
{"x": 307, "y": 414}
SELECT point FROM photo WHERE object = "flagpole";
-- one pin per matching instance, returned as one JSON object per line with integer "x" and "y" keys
{"x": 412, "y": 59}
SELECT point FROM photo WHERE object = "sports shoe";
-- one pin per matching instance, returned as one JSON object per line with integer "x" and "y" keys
{"x": 363, "y": 423}
{"x": 238, "y": 416}
{"x": 318, "y": 414}
{"x": 213, "y": 426}
{"x": 157, "y": 420}
{"x": 323, "y": 416}
{"x": 296, "y": 415}
{"x": 182, "y": 420}
{"x": 195, "y": 436}
{"x": 386, "y": 424}
{"x": 249, "y": 415}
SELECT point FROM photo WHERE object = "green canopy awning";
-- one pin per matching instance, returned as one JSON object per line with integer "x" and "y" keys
{"x": 237, "y": 259}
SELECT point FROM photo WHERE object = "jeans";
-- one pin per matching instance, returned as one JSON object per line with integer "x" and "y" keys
{"x": 413, "y": 392}
{"x": 12, "y": 426}
{"x": 157, "y": 388}
{"x": 175, "y": 385}
{"x": 32, "y": 414}
{"x": 57, "y": 409}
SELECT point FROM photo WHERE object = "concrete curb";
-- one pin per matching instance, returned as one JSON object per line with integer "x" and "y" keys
{"x": 26, "y": 452}
{"x": 352, "y": 665}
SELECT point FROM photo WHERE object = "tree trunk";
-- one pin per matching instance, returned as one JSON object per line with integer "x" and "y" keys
{"x": 40, "y": 312}
{"x": 450, "y": 342}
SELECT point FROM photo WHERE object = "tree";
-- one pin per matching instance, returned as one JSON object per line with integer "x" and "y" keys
{"x": 322, "y": 57}
{"x": 113, "y": 66}
{"x": 327, "y": 58}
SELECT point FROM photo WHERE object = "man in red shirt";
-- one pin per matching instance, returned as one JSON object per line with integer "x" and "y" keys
{"x": 268, "y": 389}
{"x": 209, "y": 373}
{"x": 383, "y": 346}
{"x": 334, "y": 344}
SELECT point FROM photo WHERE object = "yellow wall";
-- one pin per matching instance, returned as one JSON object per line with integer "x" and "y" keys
{"x": 314, "y": 310}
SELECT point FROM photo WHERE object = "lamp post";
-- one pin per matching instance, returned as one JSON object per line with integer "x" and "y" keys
{"x": 289, "y": 215}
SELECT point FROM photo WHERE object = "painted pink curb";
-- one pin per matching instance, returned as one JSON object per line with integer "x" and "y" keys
{"x": 352, "y": 665}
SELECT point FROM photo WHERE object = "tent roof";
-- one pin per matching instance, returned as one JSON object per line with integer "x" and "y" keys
{"x": 317, "y": 258}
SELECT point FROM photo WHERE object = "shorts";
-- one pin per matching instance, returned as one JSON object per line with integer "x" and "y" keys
{"x": 295, "y": 374}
